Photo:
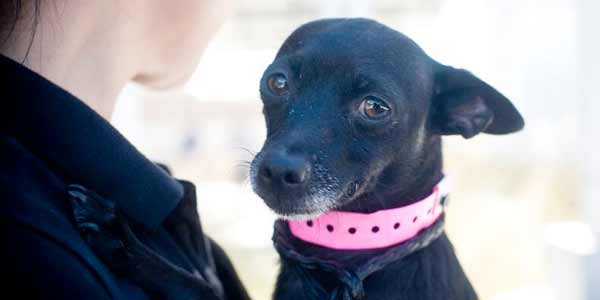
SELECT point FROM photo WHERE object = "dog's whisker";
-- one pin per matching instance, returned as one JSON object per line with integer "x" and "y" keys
{"x": 252, "y": 153}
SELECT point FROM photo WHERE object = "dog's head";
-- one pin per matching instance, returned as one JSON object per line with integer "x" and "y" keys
{"x": 346, "y": 99}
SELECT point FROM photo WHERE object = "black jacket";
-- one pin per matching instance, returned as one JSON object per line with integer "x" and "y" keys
{"x": 48, "y": 140}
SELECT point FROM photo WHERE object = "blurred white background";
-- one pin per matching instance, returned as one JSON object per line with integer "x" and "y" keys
{"x": 525, "y": 213}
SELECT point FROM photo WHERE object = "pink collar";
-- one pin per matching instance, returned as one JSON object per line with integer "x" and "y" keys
{"x": 357, "y": 231}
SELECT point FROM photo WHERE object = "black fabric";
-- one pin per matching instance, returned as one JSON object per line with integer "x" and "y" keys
{"x": 49, "y": 140}
{"x": 111, "y": 237}
{"x": 69, "y": 135}
{"x": 30, "y": 251}
{"x": 350, "y": 279}
{"x": 42, "y": 252}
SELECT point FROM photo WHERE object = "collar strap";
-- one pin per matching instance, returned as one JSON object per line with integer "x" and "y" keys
{"x": 357, "y": 231}
{"x": 350, "y": 278}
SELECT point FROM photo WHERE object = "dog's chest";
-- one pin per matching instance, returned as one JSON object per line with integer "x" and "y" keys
{"x": 432, "y": 273}
{"x": 388, "y": 284}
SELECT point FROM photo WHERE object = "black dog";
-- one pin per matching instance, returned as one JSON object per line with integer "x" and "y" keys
{"x": 355, "y": 112}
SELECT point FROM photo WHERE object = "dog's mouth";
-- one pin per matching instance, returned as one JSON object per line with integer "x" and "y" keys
{"x": 308, "y": 208}
{"x": 311, "y": 205}
{"x": 322, "y": 193}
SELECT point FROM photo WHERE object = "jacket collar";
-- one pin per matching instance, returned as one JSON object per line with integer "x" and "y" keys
{"x": 82, "y": 146}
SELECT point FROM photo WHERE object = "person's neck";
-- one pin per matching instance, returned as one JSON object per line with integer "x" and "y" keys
{"x": 77, "y": 49}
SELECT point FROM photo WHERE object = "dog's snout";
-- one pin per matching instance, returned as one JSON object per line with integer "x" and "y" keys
{"x": 284, "y": 171}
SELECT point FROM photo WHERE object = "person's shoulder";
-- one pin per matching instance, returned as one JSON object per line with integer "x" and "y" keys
{"x": 37, "y": 267}
{"x": 41, "y": 247}
{"x": 27, "y": 184}
{"x": 20, "y": 168}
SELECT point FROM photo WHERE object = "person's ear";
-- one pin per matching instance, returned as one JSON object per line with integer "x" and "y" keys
{"x": 464, "y": 104}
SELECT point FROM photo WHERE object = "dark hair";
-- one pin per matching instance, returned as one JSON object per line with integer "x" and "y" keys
{"x": 12, "y": 13}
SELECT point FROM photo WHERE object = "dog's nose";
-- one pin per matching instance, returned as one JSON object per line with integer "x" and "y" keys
{"x": 280, "y": 170}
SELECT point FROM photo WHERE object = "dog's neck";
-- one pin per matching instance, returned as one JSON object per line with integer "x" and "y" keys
{"x": 393, "y": 188}
{"x": 426, "y": 175}
{"x": 437, "y": 249}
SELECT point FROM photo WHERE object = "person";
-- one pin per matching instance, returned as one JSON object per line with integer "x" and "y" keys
{"x": 62, "y": 65}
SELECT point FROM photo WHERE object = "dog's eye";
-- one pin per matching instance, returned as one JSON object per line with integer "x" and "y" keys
{"x": 278, "y": 84}
{"x": 374, "y": 108}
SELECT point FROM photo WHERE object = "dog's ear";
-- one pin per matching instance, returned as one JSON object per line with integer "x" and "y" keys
{"x": 464, "y": 104}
